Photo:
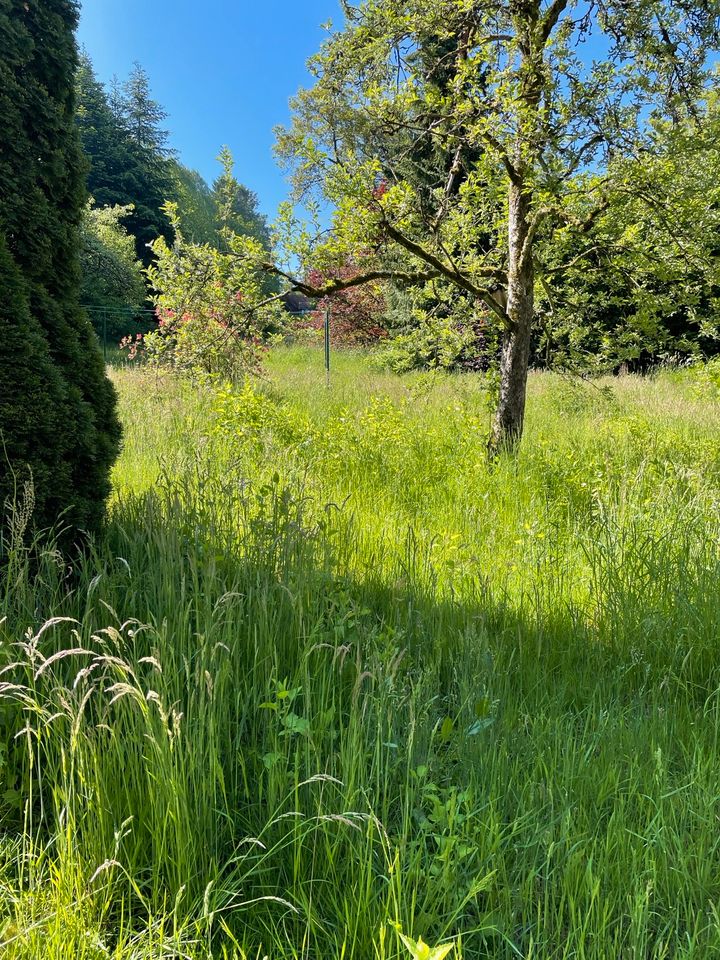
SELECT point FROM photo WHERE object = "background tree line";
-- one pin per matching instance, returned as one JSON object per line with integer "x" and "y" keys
{"x": 133, "y": 173}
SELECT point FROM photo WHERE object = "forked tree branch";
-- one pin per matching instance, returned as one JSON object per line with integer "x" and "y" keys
{"x": 451, "y": 274}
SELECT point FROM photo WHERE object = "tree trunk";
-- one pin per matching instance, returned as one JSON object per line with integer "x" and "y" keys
{"x": 510, "y": 412}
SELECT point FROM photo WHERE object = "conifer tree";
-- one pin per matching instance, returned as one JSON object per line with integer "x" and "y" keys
{"x": 143, "y": 117}
{"x": 31, "y": 401}
{"x": 127, "y": 152}
{"x": 103, "y": 139}
{"x": 152, "y": 185}
{"x": 58, "y": 418}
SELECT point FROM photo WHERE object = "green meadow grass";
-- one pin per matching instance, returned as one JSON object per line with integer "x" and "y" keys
{"x": 327, "y": 671}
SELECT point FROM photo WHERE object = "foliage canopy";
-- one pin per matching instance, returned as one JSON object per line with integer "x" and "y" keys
{"x": 453, "y": 137}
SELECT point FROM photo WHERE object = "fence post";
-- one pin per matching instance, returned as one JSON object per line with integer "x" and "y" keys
{"x": 327, "y": 347}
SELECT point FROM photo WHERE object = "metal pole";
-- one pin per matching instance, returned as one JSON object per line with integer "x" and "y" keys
{"x": 327, "y": 347}
{"x": 105, "y": 335}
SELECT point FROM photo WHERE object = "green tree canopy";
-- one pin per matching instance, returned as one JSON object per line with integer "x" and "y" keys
{"x": 237, "y": 206}
{"x": 643, "y": 281}
{"x": 111, "y": 275}
{"x": 196, "y": 205}
{"x": 127, "y": 150}
{"x": 528, "y": 122}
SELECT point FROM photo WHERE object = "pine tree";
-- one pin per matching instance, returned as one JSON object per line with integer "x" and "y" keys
{"x": 59, "y": 418}
{"x": 152, "y": 185}
{"x": 143, "y": 117}
{"x": 127, "y": 152}
{"x": 103, "y": 139}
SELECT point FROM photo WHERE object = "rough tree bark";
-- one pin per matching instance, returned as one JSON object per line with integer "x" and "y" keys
{"x": 533, "y": 32}
{"x": 509, "y": 415}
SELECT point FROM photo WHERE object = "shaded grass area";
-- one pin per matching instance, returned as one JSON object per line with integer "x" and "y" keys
{"x": 327, "y": 669}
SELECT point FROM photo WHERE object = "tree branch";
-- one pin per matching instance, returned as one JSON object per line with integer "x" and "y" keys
{"x": 584, "y": 226}
{"x": 510, "y": 167}
{"x": 482, "y": 293}
{"x": 551, "y": 18}
{"x": 436, "y": 269}
{"x": 338, "y": 285}
{"x": 549, "y": 271}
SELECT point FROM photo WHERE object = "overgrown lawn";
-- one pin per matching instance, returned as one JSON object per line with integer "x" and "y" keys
{"x": 329, "y": 670}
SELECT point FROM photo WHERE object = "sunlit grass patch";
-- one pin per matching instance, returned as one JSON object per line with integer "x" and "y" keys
{"x": 333, "y": 672}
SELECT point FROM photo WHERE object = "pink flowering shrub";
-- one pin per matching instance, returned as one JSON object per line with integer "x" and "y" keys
{"x": 133, "y": 345}
{"x": 212, "y": 313}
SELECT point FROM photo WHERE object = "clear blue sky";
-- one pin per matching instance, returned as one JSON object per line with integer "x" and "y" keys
{"x": 223, "y": 69}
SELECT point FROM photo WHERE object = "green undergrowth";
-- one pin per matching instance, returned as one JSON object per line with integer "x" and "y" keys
{"x": 328, "y": 671}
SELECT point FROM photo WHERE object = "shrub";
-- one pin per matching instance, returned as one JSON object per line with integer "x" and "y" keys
{"x": 214, "y": 316}
{"x": 357, "y": 315}
{"x": 112, "y": 278}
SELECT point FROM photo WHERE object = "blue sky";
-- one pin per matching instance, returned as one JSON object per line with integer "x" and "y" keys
{"x": 224, "y": 71}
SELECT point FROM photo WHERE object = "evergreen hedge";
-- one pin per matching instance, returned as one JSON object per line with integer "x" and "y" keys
{"x": 57, "y": 406}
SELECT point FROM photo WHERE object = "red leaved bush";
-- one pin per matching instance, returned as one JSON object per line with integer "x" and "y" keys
{"x": 357, "y": 315}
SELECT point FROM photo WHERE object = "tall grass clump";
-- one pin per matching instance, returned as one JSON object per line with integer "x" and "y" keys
{"x": 331, "y": 686}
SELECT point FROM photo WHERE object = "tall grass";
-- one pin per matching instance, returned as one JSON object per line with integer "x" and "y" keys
{"x": 328, "y": 671}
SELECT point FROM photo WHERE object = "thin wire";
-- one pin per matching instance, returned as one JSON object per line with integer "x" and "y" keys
{"x": 125, "y": 311}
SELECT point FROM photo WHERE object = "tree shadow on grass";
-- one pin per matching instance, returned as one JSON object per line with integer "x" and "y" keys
{"x": 389, "y": 748}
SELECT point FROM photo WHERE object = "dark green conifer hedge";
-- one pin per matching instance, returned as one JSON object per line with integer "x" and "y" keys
{"x": 57, "y": 407}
